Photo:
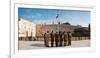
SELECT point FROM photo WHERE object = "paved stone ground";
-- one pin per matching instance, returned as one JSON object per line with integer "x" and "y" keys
{"x": 25, "y": 45}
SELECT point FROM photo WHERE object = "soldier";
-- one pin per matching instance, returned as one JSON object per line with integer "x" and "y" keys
{"x": 56, "y": 39}
{"x": 61, "y": 39}
{"x": 52, "y": 38}
{"x": 69, "y": 38}
{"x": 46, "y": 39}
{"x": 65, "y": 36}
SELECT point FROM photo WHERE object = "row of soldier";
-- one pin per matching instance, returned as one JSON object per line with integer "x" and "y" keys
{"x": 58, "y": 39}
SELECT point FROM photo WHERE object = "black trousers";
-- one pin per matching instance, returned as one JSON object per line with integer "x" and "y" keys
{"x": 61, "y": 43}
{"x": 56, "y": 43}
{"x": 69, "y": 41}
{"x": 52, "y": 43}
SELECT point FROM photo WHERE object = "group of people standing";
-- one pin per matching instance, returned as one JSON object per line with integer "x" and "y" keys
{"x": 57, "y": 39}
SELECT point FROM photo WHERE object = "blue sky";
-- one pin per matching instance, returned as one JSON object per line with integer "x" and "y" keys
{"x": 48, "y": 16}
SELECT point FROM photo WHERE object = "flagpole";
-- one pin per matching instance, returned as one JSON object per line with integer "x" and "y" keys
{"x": 57, "y": 21}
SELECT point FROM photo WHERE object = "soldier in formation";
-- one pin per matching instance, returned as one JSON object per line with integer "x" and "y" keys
{"x": 65, "y": 36}
{"x": 61, "y": 38}
{"x": 46, "y": 38}
{"x": 69, "y": 38}
{"x": 52, "y": 35}
{"x": 58, "y": 38}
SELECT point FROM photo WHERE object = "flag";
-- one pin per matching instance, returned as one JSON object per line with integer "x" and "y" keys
{"x": 57, "y": 16}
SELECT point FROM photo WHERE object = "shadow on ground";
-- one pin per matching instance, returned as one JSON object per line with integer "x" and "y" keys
{"x": 37, "y": 45}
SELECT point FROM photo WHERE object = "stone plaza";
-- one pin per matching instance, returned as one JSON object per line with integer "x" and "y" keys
{"x": 27, "y": 45}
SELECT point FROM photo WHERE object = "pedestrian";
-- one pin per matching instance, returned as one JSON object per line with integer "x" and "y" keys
{"x": 69, "y": 38}
{"x": 52, "y": 35}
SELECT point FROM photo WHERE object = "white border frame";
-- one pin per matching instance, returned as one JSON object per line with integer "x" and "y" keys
{"x": 14, "y": 32}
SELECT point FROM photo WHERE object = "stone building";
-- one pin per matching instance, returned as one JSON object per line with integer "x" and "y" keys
{"x": 41, "y": 29}
{"x": 30, "y": 31}
{"x": 27, "y": 29}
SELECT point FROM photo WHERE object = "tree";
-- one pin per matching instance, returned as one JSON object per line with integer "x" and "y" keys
{"x": 89, "y": 29}
{"x": 67, "y": 23}
{"x": 80, "y": 32}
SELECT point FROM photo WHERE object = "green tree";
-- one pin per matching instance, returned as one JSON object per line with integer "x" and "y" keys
{"x": 67, "y": 23}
